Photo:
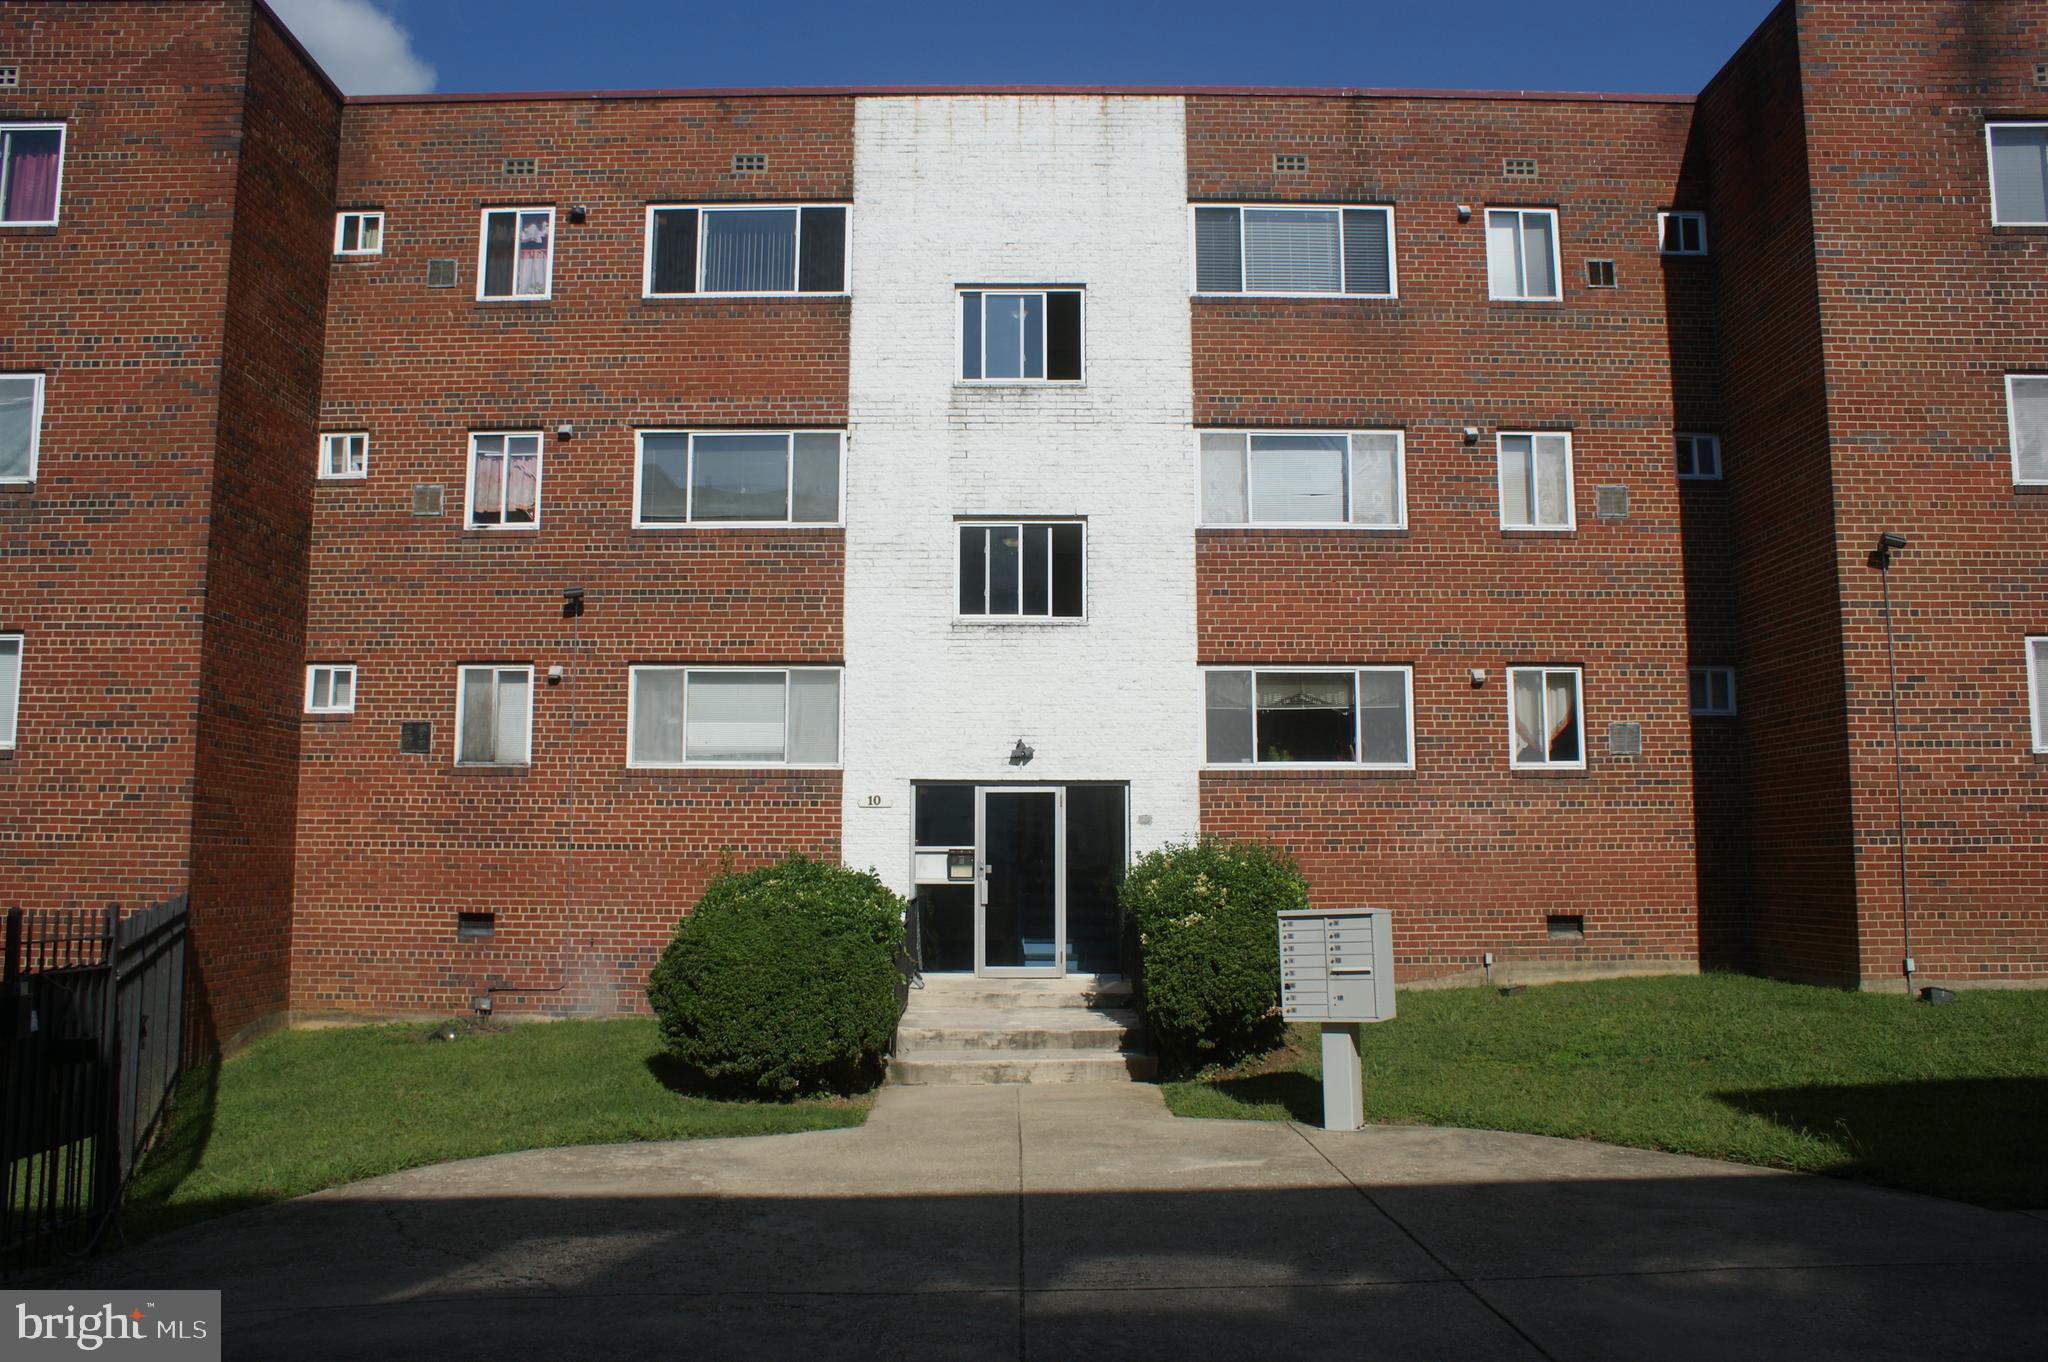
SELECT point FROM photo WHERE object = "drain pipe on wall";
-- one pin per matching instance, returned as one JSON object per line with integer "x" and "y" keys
{"x": 1889, "y": 543}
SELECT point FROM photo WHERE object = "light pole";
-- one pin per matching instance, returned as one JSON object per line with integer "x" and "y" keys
{"x": 1889, "y": 543}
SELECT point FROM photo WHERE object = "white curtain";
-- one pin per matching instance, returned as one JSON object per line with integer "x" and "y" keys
{"x": 657, "y": 716}
{"x": 531, "y": 280}
{"x": 17, "y": 425}
{"x": 1376, "y": 479}
{"x": 735, "y": 716}
{"x": 1504, "y": 254}
{"x": 1515, "y": 506}
{"x": 814, "y": 717}
{"x": 10, "y": 688}
{"x": 1292, "y": 252}
{"x": 750, "y": 250}
{"x": 1562, "y": 702}
{"x": 1531, "y": 739}
{"x": 1223, "y": 500}
{"x": 512, "y": 708}
{"x": 1297, "y": 479}
{"x": 1553, "y": 487}
{"x": 2030, "y": 428}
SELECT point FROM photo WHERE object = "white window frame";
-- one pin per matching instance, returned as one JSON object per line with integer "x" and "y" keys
{"x": 540, "y": 468}
{"x": 1500, "y": 488}
{"x": 2012, "y": 429}
{"x": 701, "y": 209}
{"x": 362, "y": 217}
{"x": 532, "y": 703}
{"x": 1400, "y": 475}
{"x": 2037, "y": 658}
{"x": 63, "y": 154}
{"x": 1991, "y": 167}
{"x": 13, "y": 732}
{"x": 483, "y": 246}
{"x": 1727, "y": 674}
{"x": 688, "y": 670}
{"x": 1683, "y": 215}
{"x": 1393, "y": 251}
{"x": 1407, "y": 674}
{"x": 39, "y": 383}
{"x": 689, "y": 476}
{"x": 1009, "y": 290}
{"x": 998, "y": 522}
{"x": 1578, "y": 675}
{"x": 1700, "y": 440}
{"x": 1556, "y": 250}
{"x": 333, "y": 669}
{"x": 328, "y": 438}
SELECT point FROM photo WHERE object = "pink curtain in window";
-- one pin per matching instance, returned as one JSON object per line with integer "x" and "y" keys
{"x": 32, "y": 186}
{"x": 532, "y": 276}
{"x": 520, "y": 477}
{"x": 488, "y": 496}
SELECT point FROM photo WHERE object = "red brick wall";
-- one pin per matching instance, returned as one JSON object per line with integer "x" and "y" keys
{"x": 103, "y": 561}
{"x": 1471, "y": 855}
{"x": 1925, "y": 307}
{"x": 391, "y": 847}
{"x": 246, "y": 776}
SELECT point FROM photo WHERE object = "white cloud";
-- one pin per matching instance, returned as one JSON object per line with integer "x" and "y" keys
{"x": 359, "y": 45}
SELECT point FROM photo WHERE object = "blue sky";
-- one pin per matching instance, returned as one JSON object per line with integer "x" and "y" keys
{"x": 402, "y": 46}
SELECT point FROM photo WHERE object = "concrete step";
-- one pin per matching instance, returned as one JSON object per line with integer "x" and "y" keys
{"x": 1015, "y": 1029}
{"x": 984, "y": 1066}
{"x": 956, "y": 992}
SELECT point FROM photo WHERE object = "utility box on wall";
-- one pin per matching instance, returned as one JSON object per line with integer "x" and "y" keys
{"x": 1337, "y": 965}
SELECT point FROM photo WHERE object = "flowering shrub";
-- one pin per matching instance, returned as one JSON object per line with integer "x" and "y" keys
{"x": 1208, "y": 947}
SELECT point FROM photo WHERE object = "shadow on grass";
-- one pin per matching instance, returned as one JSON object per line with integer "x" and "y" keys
{"x": 1298, "y": 1094}
{"x": 180, "y": 1146}
{"x": 686, "y": 1080}
{"x": 1969, "y": 1139}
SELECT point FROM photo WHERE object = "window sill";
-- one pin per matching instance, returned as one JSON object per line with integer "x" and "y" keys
{"x": 1280, "y": 770}
{"x": 497, "y": 531}
{"x": 1520, "y": 304}
{"x": 1018, "y": 385}
{"x": 730, "y": 768}
{"x": 1538, "y": 531}
{"x": 478, "y": 768}
{"x": 29, "y": 485}
{"x": 1365, "y": 531}
{"x": 537, "y": 300}
{"x": 2030, "y": 489}
{"x": 327, "y": 716}
{"x": 1299, "y": 297}
{"x": 29, "y": 228}
{"x": 971, "y": 623}
{"x": 1684, "y": 482}
{"x": 743, "y": 526}
{"x": 788, "y": 297}
{"x": 1541, "y": 773}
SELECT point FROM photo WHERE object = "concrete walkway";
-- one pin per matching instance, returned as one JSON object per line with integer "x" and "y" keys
{"x": 1064, "y": 1222}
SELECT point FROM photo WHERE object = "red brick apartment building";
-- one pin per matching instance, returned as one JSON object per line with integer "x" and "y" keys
{"x": 439, "y": 532}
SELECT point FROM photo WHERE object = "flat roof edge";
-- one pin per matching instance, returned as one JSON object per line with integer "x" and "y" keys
{"x": 940, "y": 91}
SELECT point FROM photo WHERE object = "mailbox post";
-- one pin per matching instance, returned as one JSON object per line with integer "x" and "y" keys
{"x": 1337, "y": 969}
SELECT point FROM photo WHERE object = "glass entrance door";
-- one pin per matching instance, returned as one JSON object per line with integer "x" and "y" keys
{"x": 1021, "y": 928}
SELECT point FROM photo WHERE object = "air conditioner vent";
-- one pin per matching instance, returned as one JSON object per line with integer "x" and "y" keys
{"x": 10, "y": 78}
{"x": 1611, "y": 502}
{"x": 1518, "y": 167}
{"x": 749, "y": 162}
{"x": 440, "y": 274}
{"x": 2041, "y": 75}
{"x": 1624, "y": 740}
{"x": 416, "y": 737}
{"x": 426, "y": 498}
{"x": 1290, "y": 162}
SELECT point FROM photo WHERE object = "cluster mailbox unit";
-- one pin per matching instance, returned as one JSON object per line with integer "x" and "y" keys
{"x": 1337, "y": 969}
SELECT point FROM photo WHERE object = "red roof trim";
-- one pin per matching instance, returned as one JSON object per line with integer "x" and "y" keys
{"x": 856, "y": 91}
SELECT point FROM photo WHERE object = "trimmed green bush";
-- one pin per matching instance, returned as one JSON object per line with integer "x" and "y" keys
{"x": 782, "y": 980}
{"x": 1208, "y": 947}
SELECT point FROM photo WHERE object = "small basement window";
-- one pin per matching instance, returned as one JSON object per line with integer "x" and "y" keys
{"x": 1020, "y": 335}
{"x": 475, "y": 926}
{"x": 1566, "y": 926}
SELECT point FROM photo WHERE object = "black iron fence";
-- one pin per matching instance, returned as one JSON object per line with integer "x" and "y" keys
{"x": 92, "y": 1019}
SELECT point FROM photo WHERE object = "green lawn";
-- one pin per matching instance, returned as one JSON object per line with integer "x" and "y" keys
{"x": 303, "y": 1110}
{"x": 1949, "y": 1100}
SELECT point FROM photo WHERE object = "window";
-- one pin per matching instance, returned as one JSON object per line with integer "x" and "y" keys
{"x": 331, "y": 688}
{"x": 1699, "y": 457}
{"x": 1311, "y": 716}
{"x": 737, "y": 478}
{"x": 1712, "y": 689}
{"x": 1682, "y": 233}
{"x": 2019, "y": 174}
{"x": 1020, "y": 336}
{"x": 504, "y": 481}
{"x": 1304, "y": 479}
{"x": 31, "y": 172}
{"x": 687, "y": 716}
{"x": 1600, "y": 274}
{"x": 359, "y": 233}
{"x": 1521, "y": 254}
{"x": 1028, "y": 570}
{"x": 21, "y": 426}
{"x": 1260, "y": 248}
{"x": 755, "y": 249}
{"x": 516, "y": 258}
{"x": 1543, "y": 719}
{"x": 344, "y": 454}
{"x": 2037, "y": 687}
{"x": 10, "y": 688}
{"x": 1536, "y": 482}
{"x": 494, "y": 716}
{"x": 2026, "y": 411}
